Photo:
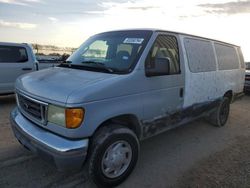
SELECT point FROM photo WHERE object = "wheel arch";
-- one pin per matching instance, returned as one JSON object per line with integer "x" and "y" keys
{"x": 129, "y": 121}
{"x": 229, "y": 94}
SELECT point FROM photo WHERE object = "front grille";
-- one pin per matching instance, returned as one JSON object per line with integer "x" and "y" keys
{"x": 32, "y": 109}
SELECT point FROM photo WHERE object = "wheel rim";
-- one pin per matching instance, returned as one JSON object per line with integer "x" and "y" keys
{"x": 116, "y": 159}
{"x": 224, "y": 113}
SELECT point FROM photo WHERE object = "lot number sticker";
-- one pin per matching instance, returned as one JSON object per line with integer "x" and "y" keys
{"x": 133, "y": 40}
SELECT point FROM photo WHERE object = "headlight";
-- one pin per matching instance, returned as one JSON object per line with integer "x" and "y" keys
{"x": 68, "y": 117}
{"x": 56, "y": 115}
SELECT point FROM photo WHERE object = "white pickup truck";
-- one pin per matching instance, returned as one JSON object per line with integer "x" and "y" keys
{"x": 16, "y": 59}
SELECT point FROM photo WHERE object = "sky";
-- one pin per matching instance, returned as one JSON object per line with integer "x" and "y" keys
{"x": 69, "y": 23}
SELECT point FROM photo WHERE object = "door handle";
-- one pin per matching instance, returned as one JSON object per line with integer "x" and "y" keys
{"x": 26, "y": 69}
{"x": 181, "y": 92}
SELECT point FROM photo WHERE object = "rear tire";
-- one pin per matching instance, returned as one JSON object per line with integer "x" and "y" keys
{"x": 220, "y": 115}
{"x": 114, "y": 154}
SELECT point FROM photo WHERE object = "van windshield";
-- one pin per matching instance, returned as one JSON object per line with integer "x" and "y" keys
{"x": 113, "y": 52}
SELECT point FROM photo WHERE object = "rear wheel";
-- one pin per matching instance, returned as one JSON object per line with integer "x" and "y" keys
{"x": 220, "y": 115}
{"x": 114, "y": 155}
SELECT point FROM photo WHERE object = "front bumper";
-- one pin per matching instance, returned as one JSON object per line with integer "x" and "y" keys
{"x": 64, "y": 153}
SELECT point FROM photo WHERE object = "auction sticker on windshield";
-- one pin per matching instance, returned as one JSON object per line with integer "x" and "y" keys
{"x": 133, "y": 40}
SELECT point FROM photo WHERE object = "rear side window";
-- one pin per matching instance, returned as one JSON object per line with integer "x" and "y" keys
{"x": 227, "y": 57}
{"x": 13, "y": 54}
{"x": 200, "y": 55}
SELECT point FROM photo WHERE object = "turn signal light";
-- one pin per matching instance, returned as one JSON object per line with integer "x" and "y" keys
{"x": 74, "y": 117}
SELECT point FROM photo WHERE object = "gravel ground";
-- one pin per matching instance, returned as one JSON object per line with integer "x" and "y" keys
{"x": 194, "y": 155}
{"x": 227, "y": 168}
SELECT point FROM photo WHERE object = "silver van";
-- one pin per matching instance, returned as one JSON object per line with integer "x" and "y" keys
{"x": 119, "y": 88}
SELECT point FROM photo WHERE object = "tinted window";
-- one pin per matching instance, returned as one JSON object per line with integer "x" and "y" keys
{"x": 227, "y": 57}
{"x": 200, "y": 55}
{"x": 165, "y": 47}
{"x": 13, "y": 54}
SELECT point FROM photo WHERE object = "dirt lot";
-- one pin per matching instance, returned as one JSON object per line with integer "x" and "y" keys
{"x": 194, "y": 155}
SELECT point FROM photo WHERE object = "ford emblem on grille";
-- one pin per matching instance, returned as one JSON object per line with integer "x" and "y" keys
{"x": 26, "y": 105}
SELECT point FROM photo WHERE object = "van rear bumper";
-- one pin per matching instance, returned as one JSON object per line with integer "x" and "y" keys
{"x": 64, "y": 153}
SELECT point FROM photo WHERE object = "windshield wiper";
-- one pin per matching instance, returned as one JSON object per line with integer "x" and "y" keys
{"x": 99, "y": 65}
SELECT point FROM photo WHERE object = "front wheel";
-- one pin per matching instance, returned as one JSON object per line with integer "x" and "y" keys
{"x": 114, "y": 155}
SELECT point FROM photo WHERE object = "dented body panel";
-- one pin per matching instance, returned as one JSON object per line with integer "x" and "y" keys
{"x": 208, "y": 86}
{"x": 178, "y": 118}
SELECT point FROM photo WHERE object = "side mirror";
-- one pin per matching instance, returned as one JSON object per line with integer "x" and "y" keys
{"x": 161, "y": 66}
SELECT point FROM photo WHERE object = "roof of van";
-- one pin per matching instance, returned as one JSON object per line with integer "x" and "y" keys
{"x": 175, "y": 32}
{"x": 12, "y": 44}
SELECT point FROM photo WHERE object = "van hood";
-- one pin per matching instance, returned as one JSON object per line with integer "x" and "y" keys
{"x": 56, "y": 84}
{"x": 248, "y": 72}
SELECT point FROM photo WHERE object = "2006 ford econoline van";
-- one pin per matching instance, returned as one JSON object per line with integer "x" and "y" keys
{"x": 121, "y": 87}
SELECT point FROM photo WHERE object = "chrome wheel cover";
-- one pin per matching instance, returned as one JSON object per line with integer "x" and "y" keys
{"x": 116, "y": 159}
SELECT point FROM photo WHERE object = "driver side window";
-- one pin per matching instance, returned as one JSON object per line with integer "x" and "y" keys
{"x": 165, "y": 46}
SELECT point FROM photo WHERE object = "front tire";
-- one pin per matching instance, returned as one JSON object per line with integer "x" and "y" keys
{"x": 114, "y": 154}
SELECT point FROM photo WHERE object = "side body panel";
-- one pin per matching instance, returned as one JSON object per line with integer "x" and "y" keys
{"x": 209, "y": 86}
{"x": 163, "y": 96}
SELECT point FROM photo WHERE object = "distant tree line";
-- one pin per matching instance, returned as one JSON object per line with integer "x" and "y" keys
{"x": 50, "y": 50}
